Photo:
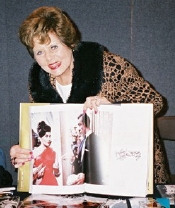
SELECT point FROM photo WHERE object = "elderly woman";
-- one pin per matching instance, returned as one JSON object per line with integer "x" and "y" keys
{"x": 67, "y": 70}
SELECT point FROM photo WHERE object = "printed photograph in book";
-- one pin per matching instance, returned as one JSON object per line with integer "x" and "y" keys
{"x": 105, "y": 153}
{"x": 69, "y": 147}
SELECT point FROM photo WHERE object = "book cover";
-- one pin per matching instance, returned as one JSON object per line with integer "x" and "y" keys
{"x": 167, "y": 191}
{"x": 149, "y": 202}
{"x": 116, "y": 147}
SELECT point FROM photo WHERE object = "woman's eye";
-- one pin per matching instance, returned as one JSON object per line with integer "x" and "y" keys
{"x": 39, "y": 53}
{"x": 54, "y": 47}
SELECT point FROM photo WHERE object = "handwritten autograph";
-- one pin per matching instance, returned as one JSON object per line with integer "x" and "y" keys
{"x": 123, "y": 154}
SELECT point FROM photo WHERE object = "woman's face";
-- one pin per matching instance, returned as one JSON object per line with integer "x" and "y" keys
{"x": 46, "y": 139}
{"x": 53, "y": 57}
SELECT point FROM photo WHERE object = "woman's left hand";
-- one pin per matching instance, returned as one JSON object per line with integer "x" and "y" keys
{"x": 94, "y": 102}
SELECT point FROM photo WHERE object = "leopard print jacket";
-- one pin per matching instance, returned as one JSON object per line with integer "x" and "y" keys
{"x": 108, "y": 75}
{"x": 122, "y": 83}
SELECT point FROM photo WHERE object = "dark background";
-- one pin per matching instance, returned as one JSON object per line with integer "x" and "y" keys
{"x": 143, "y": 31}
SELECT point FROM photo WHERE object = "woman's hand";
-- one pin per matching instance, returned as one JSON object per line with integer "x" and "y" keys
{"x": 20, "y": 156}
{"x": 79, "y": 179}
{"x": 94, "y": 102}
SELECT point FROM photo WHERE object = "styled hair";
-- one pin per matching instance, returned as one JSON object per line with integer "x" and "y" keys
{"x": 85, "y": 119}
{"x": 48, "y": 19}
{"x": 43, "y": 128}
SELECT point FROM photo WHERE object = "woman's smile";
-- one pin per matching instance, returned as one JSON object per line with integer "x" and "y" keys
{"x": 55, "y": 65}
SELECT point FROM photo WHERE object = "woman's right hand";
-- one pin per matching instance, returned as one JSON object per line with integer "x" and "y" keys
{"x": 20, "y": 156}
{"x": 93, "y": 102}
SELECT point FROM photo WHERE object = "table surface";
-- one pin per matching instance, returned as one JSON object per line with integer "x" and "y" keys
{"x": 24, "y": 195}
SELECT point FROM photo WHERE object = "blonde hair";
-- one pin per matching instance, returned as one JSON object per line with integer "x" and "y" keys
{"x": 48, "y": 19}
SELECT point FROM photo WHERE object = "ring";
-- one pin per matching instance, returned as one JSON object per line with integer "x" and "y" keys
{"x": 13, "y": 160}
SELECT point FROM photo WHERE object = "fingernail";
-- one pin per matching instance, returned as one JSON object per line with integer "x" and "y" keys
{"x": 31, "y": 153}
{"x": 23, "y": 163}
{"x": 96, "y": 112}
{"x": 30, "y": 158}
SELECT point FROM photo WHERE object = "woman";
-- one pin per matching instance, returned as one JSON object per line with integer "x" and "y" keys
{"x": 45, "y": 167}
{"x": 69, "y": 71}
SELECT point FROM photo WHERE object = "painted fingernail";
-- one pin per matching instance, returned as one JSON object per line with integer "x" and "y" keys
{"x": 31, "y": 152}
{"x": 23, "y": 163}
{"x": 96, "y": 112}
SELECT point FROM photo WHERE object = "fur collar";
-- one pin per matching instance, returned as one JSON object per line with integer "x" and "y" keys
{"x": 86, "y": 80}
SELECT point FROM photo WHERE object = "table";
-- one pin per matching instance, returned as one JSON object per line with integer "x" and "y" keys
{"x": 78, "y": 200}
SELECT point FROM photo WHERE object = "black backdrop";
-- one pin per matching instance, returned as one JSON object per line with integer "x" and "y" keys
{"x": 143, "y": 31}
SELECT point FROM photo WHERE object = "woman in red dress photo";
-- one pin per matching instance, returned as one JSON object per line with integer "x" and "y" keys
{"x": 45, "y": 167}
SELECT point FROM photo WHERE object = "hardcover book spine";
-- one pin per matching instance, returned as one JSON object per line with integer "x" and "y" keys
{"x": 25, "y": 142}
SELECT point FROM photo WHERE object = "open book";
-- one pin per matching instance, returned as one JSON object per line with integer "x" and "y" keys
{"x": 111, "y": 151}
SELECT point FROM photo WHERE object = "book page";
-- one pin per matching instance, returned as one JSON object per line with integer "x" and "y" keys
{"x": 130, "y": 150}
{"x": 127, "y": 152}
{"x": 54, "y": 164}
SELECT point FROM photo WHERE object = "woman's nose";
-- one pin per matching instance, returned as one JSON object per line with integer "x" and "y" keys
{"x": 49, "y": 56}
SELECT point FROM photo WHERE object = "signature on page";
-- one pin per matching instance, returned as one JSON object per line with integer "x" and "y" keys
{"x": 125, "y": 153}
